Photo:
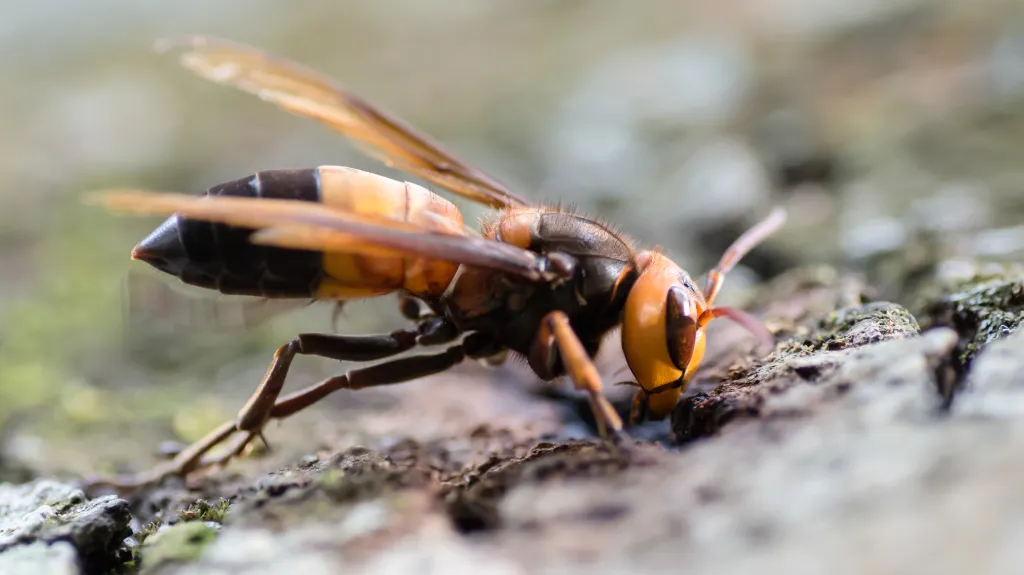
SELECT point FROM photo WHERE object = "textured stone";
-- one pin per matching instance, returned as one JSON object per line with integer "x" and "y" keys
{"x": 48, "y": 511}
{"x": 982, "y": 308}
{"x": 40, "y": 558}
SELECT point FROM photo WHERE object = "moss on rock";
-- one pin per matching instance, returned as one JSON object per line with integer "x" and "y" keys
{"x": 982, "y": 308}
{"x": 183, "y": 542}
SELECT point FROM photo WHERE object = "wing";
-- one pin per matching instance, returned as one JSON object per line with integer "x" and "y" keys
{"x": 298, "y": 224}
{"x": 305, "y": 92}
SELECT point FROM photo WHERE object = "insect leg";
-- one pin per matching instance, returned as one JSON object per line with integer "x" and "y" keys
{"x": 257, "y": 410}
{"x": 639, "y": 411}
{"x": 340, "y": 347}
{"x": 389, "y": 373}
{"x": 396, "y": 371}
{"x": 186, "y": 460}
{"x": 556, "y": 338}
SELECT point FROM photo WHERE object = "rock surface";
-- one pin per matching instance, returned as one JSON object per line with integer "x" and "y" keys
{"x": 982, "y": 308}
{"x": 57, "y": 558}
{"x": 852, "y": 447}
{"x": 45, "y": 512}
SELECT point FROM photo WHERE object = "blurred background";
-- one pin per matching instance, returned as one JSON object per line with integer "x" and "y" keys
{"x": 880, "y": 125}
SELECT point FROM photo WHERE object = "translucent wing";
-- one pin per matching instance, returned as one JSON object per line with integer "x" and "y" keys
{"x": 299, "y": 224}
{"x": 305, "y": 92}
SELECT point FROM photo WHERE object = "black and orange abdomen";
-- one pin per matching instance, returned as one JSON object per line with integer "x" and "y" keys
{"x": 221, "y": 257}
{"x": 349, "y": 276}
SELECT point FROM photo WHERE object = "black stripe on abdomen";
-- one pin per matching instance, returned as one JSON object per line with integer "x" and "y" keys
{"x": 222, "y": 256}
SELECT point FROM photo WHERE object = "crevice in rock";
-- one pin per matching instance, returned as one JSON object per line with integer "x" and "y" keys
{"x": 473, "y": 499}
{"x": 811, "y": 355}
{"x": 980, "y": 309}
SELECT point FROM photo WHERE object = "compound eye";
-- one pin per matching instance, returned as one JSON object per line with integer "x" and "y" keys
{"x": 680, "y": 327}
{"x": 645, "y": 325}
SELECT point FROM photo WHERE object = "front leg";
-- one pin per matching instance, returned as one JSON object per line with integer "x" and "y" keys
{"x": 556, "y": 340}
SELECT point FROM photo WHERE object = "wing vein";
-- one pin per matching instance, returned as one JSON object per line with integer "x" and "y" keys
{"x": 305, "y": 92}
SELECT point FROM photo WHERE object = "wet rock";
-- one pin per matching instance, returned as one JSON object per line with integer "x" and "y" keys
{"x": 982, "y": 308}
{"x": 302, "y": 517}
{"x": 324, "y": 490}
{"x": 48, "y": 511}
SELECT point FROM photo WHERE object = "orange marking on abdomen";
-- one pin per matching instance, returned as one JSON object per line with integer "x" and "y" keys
{"x": 351, "y": 275}
{"x": 435, "y": 214}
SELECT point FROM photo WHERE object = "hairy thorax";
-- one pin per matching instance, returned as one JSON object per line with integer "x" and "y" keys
{"x": 511, "y": 310}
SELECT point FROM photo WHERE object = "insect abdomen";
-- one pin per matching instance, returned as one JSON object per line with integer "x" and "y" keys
{"x": 221, "y": 257}
{"x": 352, "y": 275}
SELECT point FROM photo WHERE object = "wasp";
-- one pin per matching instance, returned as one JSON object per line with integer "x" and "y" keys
{"x": 536, "y": 281}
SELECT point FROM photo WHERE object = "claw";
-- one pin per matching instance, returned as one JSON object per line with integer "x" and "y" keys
{"x": 263, "y": 440}
{"x": 618, "y": 439}
{"x": 189, "y": 461}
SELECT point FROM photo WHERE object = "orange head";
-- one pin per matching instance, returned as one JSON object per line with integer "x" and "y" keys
{"x": 665, "y": 316}
{"x": 661, "y": 336}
